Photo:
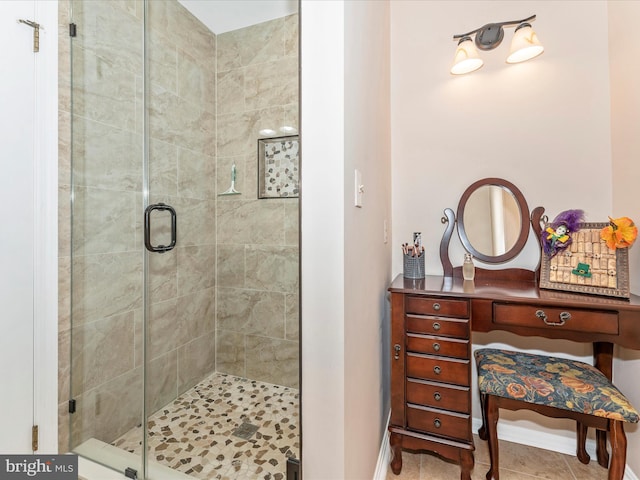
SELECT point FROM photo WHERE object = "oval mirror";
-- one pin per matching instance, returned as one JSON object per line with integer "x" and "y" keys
{"x": 493, "y": 220}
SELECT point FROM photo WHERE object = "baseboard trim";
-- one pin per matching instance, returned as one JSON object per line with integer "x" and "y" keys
{"x": 536, "y": 438}
{"x": 510, "y": 433}
{"x": 384, "y": 457}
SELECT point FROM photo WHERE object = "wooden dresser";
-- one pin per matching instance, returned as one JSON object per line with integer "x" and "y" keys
{"x": 431, "y": 377}
{"x": 432, "y": 322}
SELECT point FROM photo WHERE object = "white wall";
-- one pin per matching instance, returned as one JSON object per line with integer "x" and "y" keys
{"x": 543, "y": 124}
{"x": 625, "y": 139}
{"x": 322, "y": 253}
{"x": 367, "y": 257}
{"x": 346, "y": 265}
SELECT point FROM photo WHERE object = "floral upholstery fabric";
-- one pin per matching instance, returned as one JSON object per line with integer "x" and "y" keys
{"x": 552, "y": 381}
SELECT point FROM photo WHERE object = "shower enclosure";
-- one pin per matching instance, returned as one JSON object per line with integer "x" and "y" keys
{"x": 183, "y": 332}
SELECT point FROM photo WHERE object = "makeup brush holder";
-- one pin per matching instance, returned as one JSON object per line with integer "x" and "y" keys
{"x": 413, "y": 266}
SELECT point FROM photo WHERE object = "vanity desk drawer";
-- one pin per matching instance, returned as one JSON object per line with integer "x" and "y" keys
{"x": 439, "y": 369}
{"x": 429, "y": 344}
{"x": 573, "y": 319}
{"x": 447, "y": 327}
{"x": 439, "y": 422}
{"x": 438, "y": 395}
{"x": 444, "y": 307}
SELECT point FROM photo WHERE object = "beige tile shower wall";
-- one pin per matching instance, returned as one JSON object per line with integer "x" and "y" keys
{"x": 107, "y": 227}
{"x": 257, "y": 240}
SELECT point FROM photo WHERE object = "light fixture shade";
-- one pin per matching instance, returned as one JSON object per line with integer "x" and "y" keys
{"x": 466, "y": 59}
{"x": 525, "y": 45}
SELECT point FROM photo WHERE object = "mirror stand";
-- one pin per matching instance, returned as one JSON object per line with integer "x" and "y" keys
{"x": 514, "y": 201}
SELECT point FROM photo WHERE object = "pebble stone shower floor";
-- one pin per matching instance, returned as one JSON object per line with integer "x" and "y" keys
{"x": 226, "y": 428}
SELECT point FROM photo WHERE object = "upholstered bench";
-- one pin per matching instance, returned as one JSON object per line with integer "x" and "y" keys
{"x": 554, "y": 387}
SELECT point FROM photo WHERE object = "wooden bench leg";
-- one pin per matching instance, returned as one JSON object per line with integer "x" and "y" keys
{"x": 482, "y": 432}
{"x": 581, "y": 451}
{"x": 491, "y": 412}
{"x": 601, "y": 448}
{"x": 603, "y": 361}
{"x": 618, "y": 450}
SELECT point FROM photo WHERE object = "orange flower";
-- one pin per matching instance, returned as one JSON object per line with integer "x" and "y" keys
{"x": 620, "y": 233}
{"x": 612, "y": 415}
{"x": 516, "y": 390}
{"x": 577, "y": 384}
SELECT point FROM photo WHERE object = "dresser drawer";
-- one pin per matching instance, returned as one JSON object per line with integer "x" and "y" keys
{"x": 572, "y": 319}
{"x": 446, "y": 347}
{"x": 448, "y": 327}
{"x": 438, "y": 395}
{"x": 440, "y": 369}
{"x": 443, "y": 307}
{"x": 439, "y": 422}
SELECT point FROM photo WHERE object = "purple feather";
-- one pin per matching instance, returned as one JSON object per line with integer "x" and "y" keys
{"x": 570, "y": 218}
{"x": 554, "y": 240}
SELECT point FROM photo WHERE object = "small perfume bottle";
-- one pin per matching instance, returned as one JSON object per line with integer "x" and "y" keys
{"x": 468, "y": 268}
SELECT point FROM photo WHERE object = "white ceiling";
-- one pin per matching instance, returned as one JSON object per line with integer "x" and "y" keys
{"x": 225, "y": 15}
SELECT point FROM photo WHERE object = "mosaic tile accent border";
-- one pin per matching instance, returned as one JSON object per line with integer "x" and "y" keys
{"x": 195, "y": 433}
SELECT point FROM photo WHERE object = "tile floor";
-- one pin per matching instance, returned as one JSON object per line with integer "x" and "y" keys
{"x": 517, "y": 462}
{"x": 226, "y": 428}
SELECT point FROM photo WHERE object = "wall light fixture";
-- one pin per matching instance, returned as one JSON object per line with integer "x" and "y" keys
{"x": 524, "y": 46}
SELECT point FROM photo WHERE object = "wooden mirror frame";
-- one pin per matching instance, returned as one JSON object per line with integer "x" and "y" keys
{"x": 451, "y": 220}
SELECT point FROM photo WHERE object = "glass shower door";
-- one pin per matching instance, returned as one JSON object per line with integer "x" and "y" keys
{"x": 107, "y": 257}
{"x": 181, "y": 133}
{"x": 180, "y": 86}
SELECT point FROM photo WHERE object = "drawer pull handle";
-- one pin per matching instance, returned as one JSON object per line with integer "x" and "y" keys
{"x": 437, "y": 423}
{"x": 564, "y": 316}
{"x": 437, "y": 397}
{"x": 396, "y": 356}
{"x": 437, "y": 370}
{"x": 436, "y": 347}
{"x": 436, "y": 306}
{"x": 436, "y": 326}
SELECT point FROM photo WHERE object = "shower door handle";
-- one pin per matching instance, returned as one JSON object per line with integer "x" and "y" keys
{"x": 147, "y": 227}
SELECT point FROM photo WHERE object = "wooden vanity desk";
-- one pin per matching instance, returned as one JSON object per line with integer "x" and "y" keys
{"x": 432, "y": 325}
{"x": 433, "y": 320}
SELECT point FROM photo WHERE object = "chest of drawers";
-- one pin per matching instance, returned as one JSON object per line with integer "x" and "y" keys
{"x": 431, "y": 378}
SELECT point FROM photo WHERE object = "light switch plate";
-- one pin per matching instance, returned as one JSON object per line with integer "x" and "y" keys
{"x": 359, "y": 188}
